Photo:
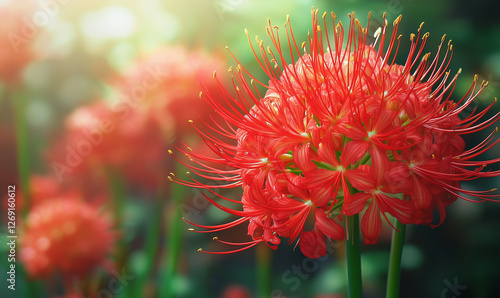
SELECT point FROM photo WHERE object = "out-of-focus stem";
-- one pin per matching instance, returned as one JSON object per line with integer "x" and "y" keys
{"x": 152, "y": 243}
{"x": 23, "y": 157}
{"x": 174, "y": 226}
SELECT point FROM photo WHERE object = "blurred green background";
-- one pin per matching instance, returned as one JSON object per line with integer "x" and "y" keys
{"x": 85, "y": 45}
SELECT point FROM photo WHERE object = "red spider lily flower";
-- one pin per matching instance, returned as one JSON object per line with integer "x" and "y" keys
{"x": 372, "y": 182}
{"x": 66, "y": 236}
{"x": 341, "y": 128}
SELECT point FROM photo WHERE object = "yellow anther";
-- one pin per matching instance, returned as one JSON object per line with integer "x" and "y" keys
{"x": 201, "y": 94}
{"x": 443, "y": 38}
{"x": 420, "y": 27}
{"x": 324, "y": 15}
{"x": 170, "y": 151}
{"x": 397, "y": 20}
{"x": 199, "y": 249}
{"x": 190, "y": 121}
{"x": 215, "y": 238}
{"x": 213, "y": 75}
{"x": 246, "y": 31}
{"x": 384, "y": 15}
{"x": 303, "y": 44}
{"x": 190, "y": 229}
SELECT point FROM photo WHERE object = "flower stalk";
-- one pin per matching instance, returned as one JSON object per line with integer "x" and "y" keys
{"x": 353, "y": 257}
{"x": 175, "y": 228}
{"x": 264, "y": 269}
{"x": 394, "y": 274}
{"x": 153, "y": 237}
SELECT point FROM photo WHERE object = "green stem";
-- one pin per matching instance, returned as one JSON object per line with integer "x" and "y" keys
{"x": 353, "y": 257}
{"x": 394, "y": 275}
{"x": 23, "y": 157}
{"x": 152, "y": 243}
{"x": 117, "y": 187}
{"x": 118, "y": 193}
{"x": 174, "y": 226}
{"x": 264, "y": 268}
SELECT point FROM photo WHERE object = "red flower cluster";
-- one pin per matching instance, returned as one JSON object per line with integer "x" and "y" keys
{"x": 131, "y": 134}
{"x": 67, "y": 236}
{"x": 166, "y": 83}
{"x": 342, "y": 129}
{"x": 101, "y": 138}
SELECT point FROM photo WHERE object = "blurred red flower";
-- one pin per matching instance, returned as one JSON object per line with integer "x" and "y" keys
{"x": 156, "y": 99}
{"x": 236, "y": 291}
{"x": 99, "y": 139}
{"x": 67, "y": 236}
{"x": 168, "y": 83}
